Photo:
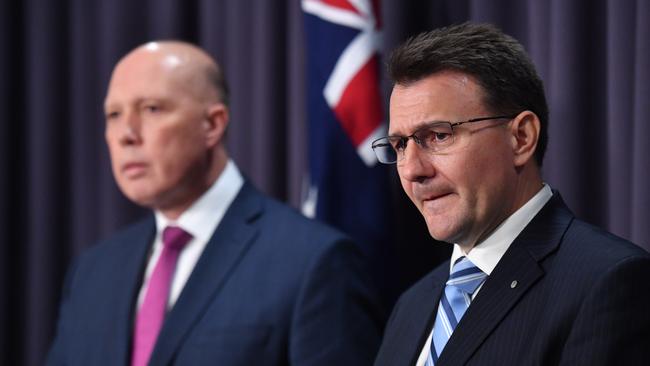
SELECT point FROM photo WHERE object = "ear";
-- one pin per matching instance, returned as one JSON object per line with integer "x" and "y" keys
{"x": 525, "y": 134}
{"x": 215, "y": 124}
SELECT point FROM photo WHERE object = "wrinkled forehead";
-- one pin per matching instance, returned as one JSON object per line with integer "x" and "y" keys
{"x": 443, "y": 96}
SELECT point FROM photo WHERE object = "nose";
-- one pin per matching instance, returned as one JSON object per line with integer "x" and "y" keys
{"x": 131, "y": 128}
{"x": 416, "y": 165}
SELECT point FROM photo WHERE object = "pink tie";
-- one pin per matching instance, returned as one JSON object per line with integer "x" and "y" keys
{"x": 152, "y": 312}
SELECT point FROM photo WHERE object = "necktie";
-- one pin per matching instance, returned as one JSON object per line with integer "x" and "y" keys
{"x": 464, "y": 279}
{"x": 152, "y": 311}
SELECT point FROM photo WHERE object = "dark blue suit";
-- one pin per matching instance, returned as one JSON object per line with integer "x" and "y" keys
{"x": 582, "y": 297}
{"x": 271, "y": 288}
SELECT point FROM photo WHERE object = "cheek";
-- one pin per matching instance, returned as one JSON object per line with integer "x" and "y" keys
{"x": 111, "y": 143}
{"x": 114, "y": 154}
{"x": 466, "y": 173}
{"x": 487, "y": 178}
{"x": 408, "y": 188}
{"x": 176, "y": 154}
{"x": 169, "y": 157}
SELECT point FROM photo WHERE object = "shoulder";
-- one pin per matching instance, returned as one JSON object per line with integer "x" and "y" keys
{"x": 124, "y": 242}
{"x": 319, "y": 245}
{"x": 284, "y": 224}
{"x": 576, "y": 247}
{"x": 283, "y": 235}
{"x": 591, "y": 246}
{"x": 593, "y": 265}
{"x": 605, "y": 278}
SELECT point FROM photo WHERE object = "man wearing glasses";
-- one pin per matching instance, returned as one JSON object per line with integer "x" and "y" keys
{"x": 527, "y": 282}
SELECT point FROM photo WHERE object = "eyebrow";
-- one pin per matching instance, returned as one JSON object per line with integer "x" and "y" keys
{"x": 139, "y": 101}
{"x": 420, "y": 126}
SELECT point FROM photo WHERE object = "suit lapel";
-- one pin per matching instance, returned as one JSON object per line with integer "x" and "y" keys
{"x": 126, "y": 281}
{"x": 491, "y": 305}
{"x": 411, "y": 321}
{"x": 420, "y": 321}
{"x": 498, "y": 295}
{"x": 223, "y": 252}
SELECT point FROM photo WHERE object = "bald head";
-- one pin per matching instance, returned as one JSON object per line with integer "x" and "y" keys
{"x": 165, "y": 124}
{"x": 191, "y": 67}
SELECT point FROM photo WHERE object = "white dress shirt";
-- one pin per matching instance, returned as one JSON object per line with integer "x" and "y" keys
{"x": 200, "y": 220}
{"x": 487, "y": 254}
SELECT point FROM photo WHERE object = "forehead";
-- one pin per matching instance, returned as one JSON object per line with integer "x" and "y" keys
{"x": 444, "y": 96}
{"x": 147, "y": 75}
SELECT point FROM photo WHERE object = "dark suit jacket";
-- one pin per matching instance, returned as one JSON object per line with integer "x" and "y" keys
{"x": 271, "y": 288}
{"x": 582, "y": 297}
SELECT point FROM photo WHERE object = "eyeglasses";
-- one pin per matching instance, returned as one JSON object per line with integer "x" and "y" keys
{"x": 434, "y": 137}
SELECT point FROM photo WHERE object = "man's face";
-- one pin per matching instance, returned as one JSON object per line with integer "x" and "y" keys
{"x": 465, "y": 191}
{"x": 154, "y": 131}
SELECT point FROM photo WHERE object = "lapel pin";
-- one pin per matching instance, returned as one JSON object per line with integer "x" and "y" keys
{"x": 513, "y": 284}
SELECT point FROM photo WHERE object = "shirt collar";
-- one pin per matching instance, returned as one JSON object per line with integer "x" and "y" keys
{"x": 202, "y": 218}
{"x": 486, "y": 254}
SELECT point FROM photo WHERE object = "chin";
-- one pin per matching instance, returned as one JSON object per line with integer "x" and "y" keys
{"x": 142, "y": 201}
{"x": 443, "y": 230}
{"x": 144, "y": 198}
{"x": 440, "y": 234}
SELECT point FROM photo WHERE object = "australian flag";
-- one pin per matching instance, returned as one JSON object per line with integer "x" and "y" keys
{"x": 347, "y": 187}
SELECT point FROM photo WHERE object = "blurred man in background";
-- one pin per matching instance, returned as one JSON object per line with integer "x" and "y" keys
{"x": 219, "y": 273}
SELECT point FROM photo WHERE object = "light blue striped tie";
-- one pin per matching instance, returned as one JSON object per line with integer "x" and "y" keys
{"x": 464, "y": 279}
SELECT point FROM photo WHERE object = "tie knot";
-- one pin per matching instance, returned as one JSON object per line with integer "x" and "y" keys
{"x": 466, "y": 276}
{"x": 174, "y": 237}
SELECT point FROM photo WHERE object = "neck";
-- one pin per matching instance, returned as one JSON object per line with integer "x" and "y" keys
{"x": 198, "y": 183}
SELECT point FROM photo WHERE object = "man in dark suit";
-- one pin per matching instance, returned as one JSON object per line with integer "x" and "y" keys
{"x": 527, "y": 283}
{"x": 219, "y": 274}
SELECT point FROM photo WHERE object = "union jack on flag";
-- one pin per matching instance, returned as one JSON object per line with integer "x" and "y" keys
{"x": 347, "y": 187}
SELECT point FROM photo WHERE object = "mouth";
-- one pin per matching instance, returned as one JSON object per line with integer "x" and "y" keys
{"x": 134, "y": 169}
{"x": 436, "y": 196}
{"x": 437, "y": 202}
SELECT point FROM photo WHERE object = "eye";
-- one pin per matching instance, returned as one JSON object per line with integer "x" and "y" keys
{"x": 398, "y": 143}
{"x": 152, "y": 108}
{"x": 112, "y": 115}
{"x": 440, "y": 136}
{"x": 437, "y": 135}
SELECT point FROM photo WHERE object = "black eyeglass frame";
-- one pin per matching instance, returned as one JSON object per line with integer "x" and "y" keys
{"x": 404, "y": 139}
